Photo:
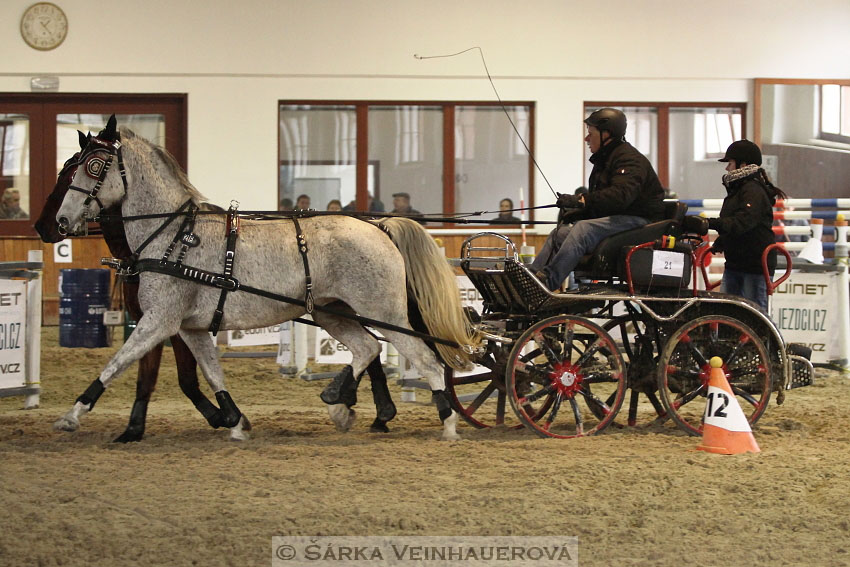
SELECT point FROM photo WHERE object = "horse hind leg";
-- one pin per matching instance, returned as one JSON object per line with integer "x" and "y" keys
{"x": 202, "y": 347}
{"x": 384, "y": 406}
{"x": 340, "y": 394}
{"x": 424, "y": 360}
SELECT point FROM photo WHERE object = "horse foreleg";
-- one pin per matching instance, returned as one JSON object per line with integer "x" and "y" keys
{"x": 202, "y": 347}
{"x": 187, "y": 377}
{"x": 145, "y": 386}
{"x": 148, "y": 334}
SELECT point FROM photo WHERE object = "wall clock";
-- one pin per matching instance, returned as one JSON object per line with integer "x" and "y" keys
{"x": 44, "y": 26}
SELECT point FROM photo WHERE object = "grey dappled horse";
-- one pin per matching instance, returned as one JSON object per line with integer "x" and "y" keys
{"x": 352, "y": 263}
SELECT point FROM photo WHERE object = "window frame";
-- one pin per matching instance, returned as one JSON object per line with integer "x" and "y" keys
{"x": 663, "y": 126}
{"x": 448, "y": 174}
{"x": 43, "y": 108}
{"x": 842, "y": 102}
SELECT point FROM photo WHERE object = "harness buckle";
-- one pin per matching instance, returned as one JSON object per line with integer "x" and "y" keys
{"x": 113, "y": 263}
{"x": 229, "y": 284}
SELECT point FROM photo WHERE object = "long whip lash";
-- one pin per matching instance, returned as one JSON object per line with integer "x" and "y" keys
{"x": 499, "y": 98}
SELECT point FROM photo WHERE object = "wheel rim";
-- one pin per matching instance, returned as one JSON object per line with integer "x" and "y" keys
{"x": 560, "y": 374}
{"x": 480, "y": 397}
{"x": 684, "y": 370}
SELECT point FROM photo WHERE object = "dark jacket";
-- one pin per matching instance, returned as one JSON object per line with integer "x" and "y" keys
{"x": 744, "y": 226}
{"x": 623, "y": 183}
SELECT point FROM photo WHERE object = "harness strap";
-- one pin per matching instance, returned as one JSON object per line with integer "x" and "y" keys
{"x": 302, "y": 248}
{"x": 232, "y": 235}
{"x": 232, "y": 284}
{"x": 162, "y": 227}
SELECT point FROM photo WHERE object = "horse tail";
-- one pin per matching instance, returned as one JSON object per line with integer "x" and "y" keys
{"x": 433, "y": 285}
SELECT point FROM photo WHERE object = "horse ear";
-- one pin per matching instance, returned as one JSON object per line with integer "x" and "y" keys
{"x": 84, "y": 140}
{"x": 111, "y": 129}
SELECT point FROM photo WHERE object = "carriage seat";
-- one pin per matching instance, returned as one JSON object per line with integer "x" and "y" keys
{"x": 604, "y": 262}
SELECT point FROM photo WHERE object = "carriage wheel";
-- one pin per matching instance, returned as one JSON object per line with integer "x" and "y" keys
{"x": 684, "y": 370}
{"x": 641, "y": 363}
{"x": 480, "y": 396}
{"x": 560, "y": 375}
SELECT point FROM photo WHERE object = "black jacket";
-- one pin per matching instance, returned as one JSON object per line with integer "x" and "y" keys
{"x": 623, "y": 183}
{"x": 745, "y": 225}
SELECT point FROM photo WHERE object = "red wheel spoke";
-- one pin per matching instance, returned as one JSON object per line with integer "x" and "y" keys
{"x": 481, "y": 398}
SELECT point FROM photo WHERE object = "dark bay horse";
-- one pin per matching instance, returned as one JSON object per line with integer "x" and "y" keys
{"x": 187, "y": 376}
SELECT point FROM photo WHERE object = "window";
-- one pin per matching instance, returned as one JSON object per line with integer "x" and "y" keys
{"x": 714, "y": 130}
{"x": 38, "y": 132}
{"x": 835, "y": 113}
{"x": 682, "y": 141}
{"x": 447, "y": 156}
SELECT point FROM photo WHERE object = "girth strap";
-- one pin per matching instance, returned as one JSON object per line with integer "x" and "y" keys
{"x": 232, "y": 234}
{"x": 302, "y": 248}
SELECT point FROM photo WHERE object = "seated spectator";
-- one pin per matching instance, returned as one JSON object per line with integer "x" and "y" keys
{"x": 302, "y": 203}
{"x": 10, "y": 206}
{"x": 401, "y": 205}
{"x": 506, "y": 212}
{"x": 334, "y": 205}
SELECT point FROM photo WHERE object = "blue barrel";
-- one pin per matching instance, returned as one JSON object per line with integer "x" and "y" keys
{"x": 83, "y": 299}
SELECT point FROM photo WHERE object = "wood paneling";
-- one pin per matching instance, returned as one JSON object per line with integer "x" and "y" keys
{"x": 87, "y": 252}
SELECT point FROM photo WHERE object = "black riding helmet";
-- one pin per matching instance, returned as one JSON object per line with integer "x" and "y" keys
{"x": 609, "y": 119}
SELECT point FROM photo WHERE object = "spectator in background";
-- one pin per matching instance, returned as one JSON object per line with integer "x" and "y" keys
{"x": 302, "y": 203}
{"x": 286, "y": 204}
{"x": 745, "y": 223}
{"x": 401, "y": 205}
{"x": 10, "y": 206}
{"x": 334, "y": 205}
{"x": 506, "y": 212}
{"x": 373, "y": 205}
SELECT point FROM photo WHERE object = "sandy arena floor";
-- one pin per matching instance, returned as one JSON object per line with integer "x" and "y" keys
{"x": 188, "y": 496}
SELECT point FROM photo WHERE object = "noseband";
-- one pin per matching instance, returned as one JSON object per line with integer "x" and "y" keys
{"x": 97, "y": 168}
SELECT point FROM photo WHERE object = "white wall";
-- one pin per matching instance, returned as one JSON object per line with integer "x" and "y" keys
{"x": 235, "y": 60}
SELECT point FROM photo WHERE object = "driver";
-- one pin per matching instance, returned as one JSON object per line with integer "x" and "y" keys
{"x": 624, "y": 193}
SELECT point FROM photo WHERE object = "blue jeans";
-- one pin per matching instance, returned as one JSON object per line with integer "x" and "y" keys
{"x": 748, "y": 286}
{"x": 572, "y": 241}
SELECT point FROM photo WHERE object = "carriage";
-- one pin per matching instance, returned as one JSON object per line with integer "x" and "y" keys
{"x": 637, "y": 327}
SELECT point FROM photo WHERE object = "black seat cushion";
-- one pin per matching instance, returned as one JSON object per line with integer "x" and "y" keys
{"x": 603, "y": 263}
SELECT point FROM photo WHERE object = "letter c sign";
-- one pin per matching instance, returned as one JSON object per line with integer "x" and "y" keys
{"x": 63, "y": 252}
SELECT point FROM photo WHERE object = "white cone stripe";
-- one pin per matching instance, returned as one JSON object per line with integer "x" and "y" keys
{"x": 722, "y": 410}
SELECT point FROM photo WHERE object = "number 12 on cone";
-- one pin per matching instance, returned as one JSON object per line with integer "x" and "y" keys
{"x": 724, "y": 411}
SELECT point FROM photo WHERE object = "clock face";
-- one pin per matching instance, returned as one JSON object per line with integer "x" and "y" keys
{"x": 44, "y": 26}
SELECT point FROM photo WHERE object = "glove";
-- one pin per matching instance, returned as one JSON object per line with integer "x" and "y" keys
{"x": 695, "y": 224}
{"x": 570, "y": 202}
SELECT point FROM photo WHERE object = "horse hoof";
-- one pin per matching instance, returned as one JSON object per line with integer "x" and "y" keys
{"x": 66, "y": 423}
{"x": 342, "y": 416}
{"x": 129, "y": 437}
{"x": 230, "y": 414}
{"x": 246, "y": 425}
{"x": 379, "y": 426}
{"x": 451, "y": 436}
{"x": 239, "y": 435}
{"x": 386, "y": 413}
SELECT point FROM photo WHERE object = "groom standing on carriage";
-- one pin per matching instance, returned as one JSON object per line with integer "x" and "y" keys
{"x": 624, "y": 193}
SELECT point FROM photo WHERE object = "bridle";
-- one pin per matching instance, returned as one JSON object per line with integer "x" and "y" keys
{"x": 96, "y": 167}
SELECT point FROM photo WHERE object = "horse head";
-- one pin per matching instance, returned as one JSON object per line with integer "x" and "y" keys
{"x": 46, "y": 225}
{"x": 96, "y": 184}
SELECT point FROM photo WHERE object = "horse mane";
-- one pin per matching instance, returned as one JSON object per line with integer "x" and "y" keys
{"x": 170, "y": 162}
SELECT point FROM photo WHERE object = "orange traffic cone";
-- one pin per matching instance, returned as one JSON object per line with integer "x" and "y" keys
{"x": 725, "y": 427}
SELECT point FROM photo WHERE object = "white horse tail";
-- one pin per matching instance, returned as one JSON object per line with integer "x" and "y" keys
{"x": 434, "y": 287}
